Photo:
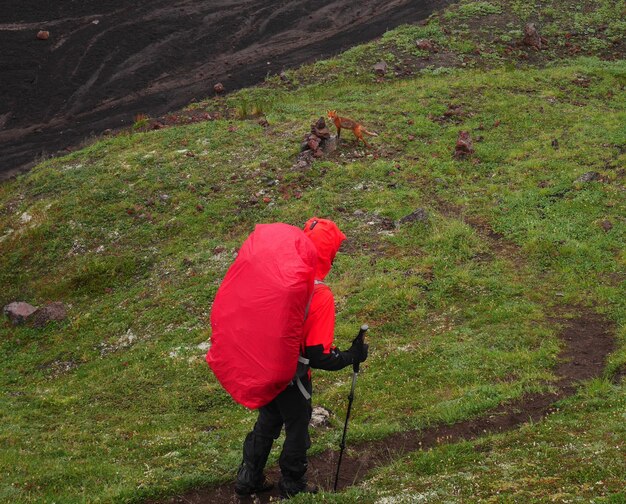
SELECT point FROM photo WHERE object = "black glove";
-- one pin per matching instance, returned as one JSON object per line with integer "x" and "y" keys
{"x": 359, "y": 350}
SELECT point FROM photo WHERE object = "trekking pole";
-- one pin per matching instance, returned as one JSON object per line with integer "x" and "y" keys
{"x": 355, "y": 373}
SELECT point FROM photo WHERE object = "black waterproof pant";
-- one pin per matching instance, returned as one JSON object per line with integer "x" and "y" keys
{"x": 291, "y": 409}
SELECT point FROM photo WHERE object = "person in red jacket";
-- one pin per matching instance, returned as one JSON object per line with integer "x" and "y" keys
{"x": 292, "y": 407}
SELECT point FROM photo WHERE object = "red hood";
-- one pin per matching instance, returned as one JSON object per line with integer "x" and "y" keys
{"x": 327, "y": 238}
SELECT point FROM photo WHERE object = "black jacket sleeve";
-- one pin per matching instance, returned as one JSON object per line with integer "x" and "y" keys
{"x": 331, "y": 361}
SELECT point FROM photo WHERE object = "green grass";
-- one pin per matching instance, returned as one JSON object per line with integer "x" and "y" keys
{"x": 570, "y": 459}
{"x": 134, "y": 235}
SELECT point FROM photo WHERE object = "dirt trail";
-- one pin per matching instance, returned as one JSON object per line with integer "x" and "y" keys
{"x": 107, "y": 61}
{"x": 586, "y": 340}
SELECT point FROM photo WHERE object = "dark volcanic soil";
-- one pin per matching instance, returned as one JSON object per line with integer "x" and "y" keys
{"x": 106, "y": 61}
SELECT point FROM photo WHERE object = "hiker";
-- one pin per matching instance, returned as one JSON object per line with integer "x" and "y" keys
{"x": 292, "y": 407}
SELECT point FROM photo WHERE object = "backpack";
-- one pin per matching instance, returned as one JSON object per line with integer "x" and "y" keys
{"x": 258, "y": 315}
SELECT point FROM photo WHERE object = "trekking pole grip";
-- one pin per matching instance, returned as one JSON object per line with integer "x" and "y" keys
{"x": 361, "y": 339}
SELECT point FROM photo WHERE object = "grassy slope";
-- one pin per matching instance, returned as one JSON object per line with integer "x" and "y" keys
{"x": 117, "y": 403}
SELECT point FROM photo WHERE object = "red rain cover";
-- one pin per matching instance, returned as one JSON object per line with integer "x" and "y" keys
{"x": 258, "y": 314}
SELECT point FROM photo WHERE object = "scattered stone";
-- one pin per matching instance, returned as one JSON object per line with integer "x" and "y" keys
{"x": 204, "y": 346}
{"x": 43, "y": 35}
{"x": 425, "y": 45}
{"x": 607, "y": 225}
{"x": 589, "y": 177}
{"x": 219, "y": 88}
{"x": 59, "y": 367}
{"x": 454, "y": 113}
{"x": 302, "y": 164}
{"x": 320, "y": 417}
{"x": 283, "y": 76}
{"x": 419, "y": 215}
{"x": 25, "y": 218}
{"x": 263, "y": 122}
{"x": 164, "y": 197}
{"x": 18, "y": 312}
{"x": 52, "y": 312}
{"x": 531, "y": 36}
{"x": 380, "y": 68}
{"x": 464, "y": 146}
{"x": 124, "y": 341}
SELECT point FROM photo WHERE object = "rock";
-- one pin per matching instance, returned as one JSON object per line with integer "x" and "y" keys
{"x": 301, "y": 165}
{"x": 313, "y": 142}
{"x": 51, "y": 312}
{"x": 607, "y": 225}
{"x": 555, "y": 144}
{"x": 464, "y": 146}
{"x": 263, "y": 122}
{"x": 43, "y": 35}
{"x": 219, "y": 88}
{"x": 18, "y": 312}
{"x": 380, "y": 68}
{"x": 323, "y": 133}
{"x": 283, "y": 76}
{"x": 588, "y": 177}
{"x": 319, "y": 129}
{"x": 419, "y": 215}
{"x": 425, "y": 45}
{"x": 320, "y": 417}
{"x": 330, "y": 145}
{"x": 531, "y": 36}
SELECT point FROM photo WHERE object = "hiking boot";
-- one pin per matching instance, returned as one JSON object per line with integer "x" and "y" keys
{"x": 248, "y": 484}
{"x": 289, "y": 488}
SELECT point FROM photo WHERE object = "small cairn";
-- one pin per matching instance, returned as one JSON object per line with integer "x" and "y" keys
{"x": 532, "y": 37}
{"x": 315, "y": 144}
{"x": 464, "y": 145}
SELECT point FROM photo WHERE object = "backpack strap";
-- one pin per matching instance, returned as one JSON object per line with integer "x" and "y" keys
{"x": 306, "y": 395}
{"x": 303, "y": 362}
{"x": 303, "y": 365}
{"x": 308, "y": 305}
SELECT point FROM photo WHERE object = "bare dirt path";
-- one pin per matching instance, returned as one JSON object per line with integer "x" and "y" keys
{"x": 587, "y": 339}
{"x": 104, "y": 62}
